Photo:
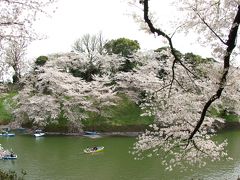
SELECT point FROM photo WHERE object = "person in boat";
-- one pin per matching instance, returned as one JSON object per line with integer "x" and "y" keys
{"x": 11, "y": 154}
{"x": 95, "y": 148}
{"x": 3, "y": 132}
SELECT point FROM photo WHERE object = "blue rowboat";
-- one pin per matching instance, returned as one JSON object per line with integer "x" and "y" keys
{"x": 9, "y": 157}
{"x": 7, "y": 134}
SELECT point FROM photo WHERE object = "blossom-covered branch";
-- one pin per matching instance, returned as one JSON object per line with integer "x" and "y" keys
{"x": 181, "y": 128}
{"x": 230, "y": 46}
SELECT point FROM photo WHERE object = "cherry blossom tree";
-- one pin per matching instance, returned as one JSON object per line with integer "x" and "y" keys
{"x": 92, "y": 46}
{"x": 14, "y": 55}
{"x": 51, "y": 90}
{"x": 16, "y": 21}
{"x": 183, "y": 127}
{"x": 18, "y": 16}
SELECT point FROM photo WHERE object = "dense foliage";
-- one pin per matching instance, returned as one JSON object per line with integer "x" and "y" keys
{"x": 122, "y": 46}
{"x": 41, "y": 60}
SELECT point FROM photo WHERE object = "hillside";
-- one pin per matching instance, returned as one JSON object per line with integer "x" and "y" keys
{"x": 69, "y": 93}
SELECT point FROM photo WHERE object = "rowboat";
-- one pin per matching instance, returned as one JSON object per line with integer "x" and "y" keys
{"x": 7, "y": 134}
{"x": 92, "y": 134}
{"x": 9, "y": 157}
{"x": 39, "y": 133}
{"x": 94, "y": 149}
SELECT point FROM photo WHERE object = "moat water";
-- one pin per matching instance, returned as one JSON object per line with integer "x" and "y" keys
{"x": 62, "y": 158}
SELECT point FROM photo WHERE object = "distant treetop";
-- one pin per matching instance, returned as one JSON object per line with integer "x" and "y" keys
{"x": 122, "y": 46}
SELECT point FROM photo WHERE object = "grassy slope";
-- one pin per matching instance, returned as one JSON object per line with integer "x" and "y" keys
{"x": 124, "y": 117}
{"x": 5, "y": 113}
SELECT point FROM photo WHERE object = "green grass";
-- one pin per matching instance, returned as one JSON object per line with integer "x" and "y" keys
{"x": 126, "y": 114}
{"x": 5, "y": 112}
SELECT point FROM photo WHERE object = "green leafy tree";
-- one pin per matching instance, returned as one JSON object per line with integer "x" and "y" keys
{"x": 193, "y": 58}
{"x": 128, "y": 65}
{"x": 122, "y": 46}
{"x": 86, "y": 73}
{"x": 41, "y": 60}
{"x": 196, "y": 59}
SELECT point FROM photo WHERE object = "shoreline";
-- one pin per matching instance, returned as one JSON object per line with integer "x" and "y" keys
{"x": 101, "y": 134}
{"x": 27, "y": 131}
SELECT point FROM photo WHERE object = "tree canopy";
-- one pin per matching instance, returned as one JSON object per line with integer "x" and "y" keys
{"x": 122, "y": 46}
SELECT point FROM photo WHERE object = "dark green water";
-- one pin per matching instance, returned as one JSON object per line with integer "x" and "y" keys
{"x": 62, "y": 158}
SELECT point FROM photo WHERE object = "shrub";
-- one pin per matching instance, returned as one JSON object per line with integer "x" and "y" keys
{"x": 15, "y": 78}
{"x": 41, "y": 60}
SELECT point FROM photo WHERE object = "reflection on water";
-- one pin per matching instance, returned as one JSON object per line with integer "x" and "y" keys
{"x": 61, "y": 158}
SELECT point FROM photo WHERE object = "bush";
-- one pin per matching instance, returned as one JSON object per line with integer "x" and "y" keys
{"x": 41, "y": 60}
{"x": 127, "y": 66}
{"x": 15, "y": 78}
{"x": 87, "y": 73}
